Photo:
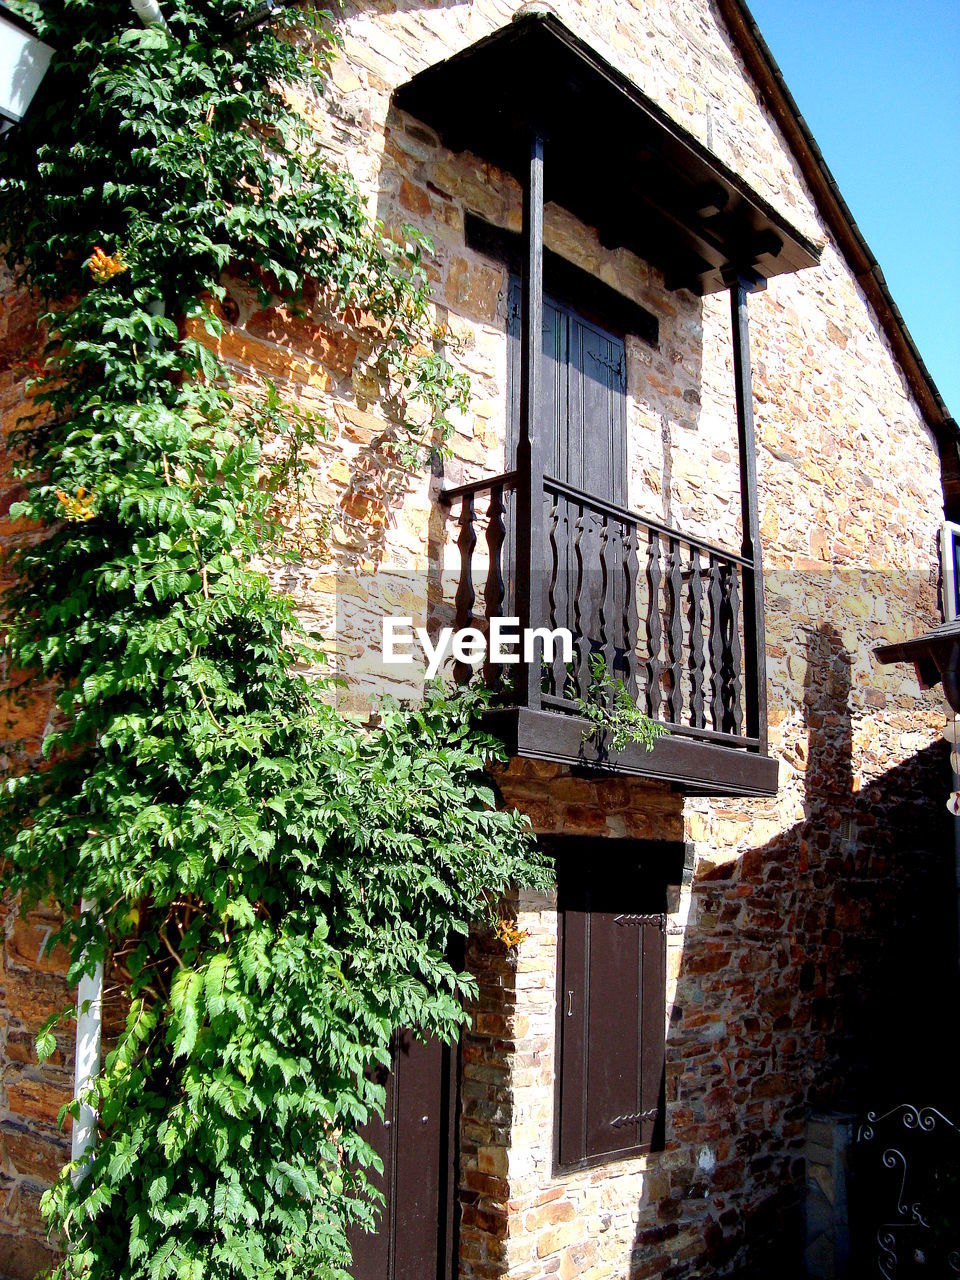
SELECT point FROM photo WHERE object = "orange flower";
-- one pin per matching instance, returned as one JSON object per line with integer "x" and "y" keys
{"x": 79, "y": 508}
{"x": 104, "y": 267}
{"x": 509, "y": 934}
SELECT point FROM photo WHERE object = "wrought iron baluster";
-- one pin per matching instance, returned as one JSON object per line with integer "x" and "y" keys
{"x": 697, "y": 718}
{"x": 675, "y": 633}
{"x": 466, "y": 596}
{"x": 654, "y": 627}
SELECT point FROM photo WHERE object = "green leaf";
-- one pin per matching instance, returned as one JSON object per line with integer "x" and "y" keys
{"x": 185, "y": 996}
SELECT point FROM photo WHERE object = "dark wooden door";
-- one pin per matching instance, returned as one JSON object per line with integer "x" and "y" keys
{"x": 416, "y": 1143}
{"x": 582, "y": 419}
{"x": 582, "y": 399}
{"x": 611, "y": 1033}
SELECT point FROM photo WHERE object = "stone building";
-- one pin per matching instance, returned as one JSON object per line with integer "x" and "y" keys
{"x": 755, "y": 920}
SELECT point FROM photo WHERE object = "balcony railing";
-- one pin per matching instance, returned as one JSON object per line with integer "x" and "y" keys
{"x": 679, "y": 620}
{"x": 663, "y": 609}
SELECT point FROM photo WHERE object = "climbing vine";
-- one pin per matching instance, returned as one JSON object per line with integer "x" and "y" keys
{"x": 276, "y": 889}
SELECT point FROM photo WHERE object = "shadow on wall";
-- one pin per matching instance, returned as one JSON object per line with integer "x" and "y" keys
{"x": 816, "y": 972}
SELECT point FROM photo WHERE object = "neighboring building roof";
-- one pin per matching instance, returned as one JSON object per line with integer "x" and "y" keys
{"x": 836, "y": 213}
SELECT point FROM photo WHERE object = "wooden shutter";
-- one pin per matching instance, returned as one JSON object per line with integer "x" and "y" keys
{"x": 582, "y": 416}
{"x": 611, "y": 1004}
{"x": 595, "y": 447}
{"x": 582, "y": 399}
{"x": 416, "y": 1142}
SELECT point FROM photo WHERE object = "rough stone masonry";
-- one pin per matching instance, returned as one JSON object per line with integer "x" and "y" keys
{"x": 781, "y": 991}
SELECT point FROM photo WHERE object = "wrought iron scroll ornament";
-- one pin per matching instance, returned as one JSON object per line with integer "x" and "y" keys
{"x": 635, "y": 1117}
{"x": 658, "y": 919}
{"x": 912, "y": 1229}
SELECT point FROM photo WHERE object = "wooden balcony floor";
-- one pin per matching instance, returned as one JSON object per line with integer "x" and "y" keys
{"x": 693, "y": 767}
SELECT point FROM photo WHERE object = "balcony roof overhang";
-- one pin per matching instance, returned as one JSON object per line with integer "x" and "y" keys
{"x": 613, "y": 158}
{"x": 936, "y": 657}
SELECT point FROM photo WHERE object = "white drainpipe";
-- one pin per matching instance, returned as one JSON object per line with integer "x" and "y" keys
{"x": 86, "y": 1066}
{"x": 148, "y": 11}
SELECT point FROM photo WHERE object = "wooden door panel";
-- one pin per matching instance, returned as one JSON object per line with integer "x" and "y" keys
{"x": 597, "y": 365}
{"x": 582, "y": 389}
{"x": 613, "y": 1020}
{"x": 610, "y": 1017}
{"x": 371, "y": 1252}
{"x": 415, "y": 1140}
{"x": 572, "y": 1035}
{"x": 582, "y": 422}
{"x": 553, "y": 388}
{"x": 419, "y": 1150}
{"x": 652, "y": 1032}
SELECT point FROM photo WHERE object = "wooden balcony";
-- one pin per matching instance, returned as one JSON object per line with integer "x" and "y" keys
{"x": 665, "y": 611}
{"x": 677, "y": 619}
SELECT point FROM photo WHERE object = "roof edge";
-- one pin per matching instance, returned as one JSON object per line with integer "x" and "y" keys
{"x": 837, "y": 215}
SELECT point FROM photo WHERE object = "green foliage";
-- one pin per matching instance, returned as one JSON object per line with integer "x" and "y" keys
{"x": 613, "y": 714}
{"x": 276, "y": 889}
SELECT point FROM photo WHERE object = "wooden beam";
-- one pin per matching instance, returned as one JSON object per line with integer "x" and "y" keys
{"x": 567, "y": 283}
{"x": 531, "y": 542}
{"x": 754, "y": 629}
{"x": 694, "y": 768}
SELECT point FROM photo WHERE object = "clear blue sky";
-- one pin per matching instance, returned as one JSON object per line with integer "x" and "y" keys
{"x": 878, "y": 82}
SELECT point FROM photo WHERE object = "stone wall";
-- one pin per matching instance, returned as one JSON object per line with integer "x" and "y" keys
{"x": 799, "y": 911}
{"x": 780, "y": 996}
{"x": 31, "y": 984}
{"x": 32, "y": 1149}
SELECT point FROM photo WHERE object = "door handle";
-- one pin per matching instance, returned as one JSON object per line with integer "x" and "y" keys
{"x": 570, "y": 1004}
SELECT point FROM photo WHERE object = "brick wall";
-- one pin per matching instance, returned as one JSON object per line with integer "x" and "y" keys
{"x": 800, "y": 909}
{"x": 31, "y": 983}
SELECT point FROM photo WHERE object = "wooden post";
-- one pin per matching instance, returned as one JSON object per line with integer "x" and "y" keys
{"x": 531, "y": 543}
{"x": 754, "y": 630}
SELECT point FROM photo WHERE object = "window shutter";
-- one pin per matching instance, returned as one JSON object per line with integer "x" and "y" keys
{"x": 595, "y": 429}
{"x": 611, "y": 1027}
{"x": 583, "y": 417}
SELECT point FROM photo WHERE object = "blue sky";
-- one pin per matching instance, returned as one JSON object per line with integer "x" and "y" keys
{"x": 879, "y": 85}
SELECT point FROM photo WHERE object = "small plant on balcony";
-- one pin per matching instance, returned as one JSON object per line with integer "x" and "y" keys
{"x": 613, "y": 715}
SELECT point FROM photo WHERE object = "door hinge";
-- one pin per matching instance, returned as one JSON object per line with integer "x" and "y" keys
{"x": 616, "y": 367}
{"x": 635, "y": 1117}
{"x": 658, "y": 920}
